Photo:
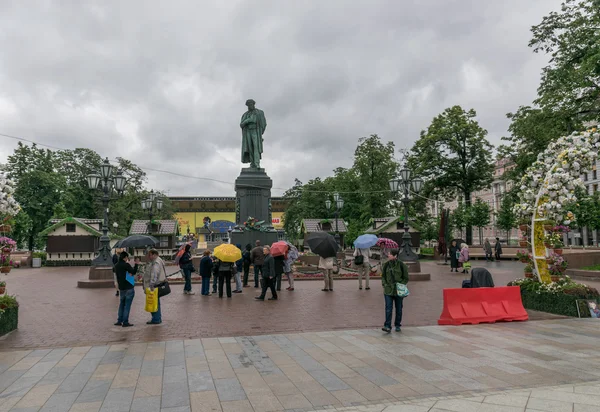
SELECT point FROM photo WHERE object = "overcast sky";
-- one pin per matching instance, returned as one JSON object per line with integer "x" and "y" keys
{"x": 164, "y": 83}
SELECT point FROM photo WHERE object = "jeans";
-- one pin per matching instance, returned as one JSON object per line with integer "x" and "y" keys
{"x": 157, "y": 316}
{"x": 125, "y": 300}
{"x": 187, "y": 275}
{"x": 390, "y": 301}
{"x": 215, "y": 282}
{"x": 257, "y": 271}
{"x": 225, "y": 277}
{"x": 278, "y": 281}
{"x": 268, "y": 283}
{"x": 238, "y": 281}
{"x": 205, "y": 285}
{"x": 246, "y": 273}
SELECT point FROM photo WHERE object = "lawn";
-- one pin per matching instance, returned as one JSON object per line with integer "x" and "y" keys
{"x": 593, "y": 267}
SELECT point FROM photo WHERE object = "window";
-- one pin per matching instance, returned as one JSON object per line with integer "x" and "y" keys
{"x": 164, "y": 241}
{"x": 594, "y": 175}
{"x": 585, "y": 177}
{"x": 71, "y": 227}
{"x": 595, "y": 188}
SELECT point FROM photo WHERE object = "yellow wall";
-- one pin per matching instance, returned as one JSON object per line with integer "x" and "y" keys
{"x": 195, "y": 219}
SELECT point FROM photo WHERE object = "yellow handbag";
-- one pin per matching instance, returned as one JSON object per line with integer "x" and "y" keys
{"x": 151, "y": 300}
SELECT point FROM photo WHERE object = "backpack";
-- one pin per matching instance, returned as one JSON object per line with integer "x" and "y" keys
{"x": 359, "y": 260}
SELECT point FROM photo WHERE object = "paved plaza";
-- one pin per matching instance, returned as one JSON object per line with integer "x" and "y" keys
{"x": 430, "y": 368}
{"x": 54, "y": 312}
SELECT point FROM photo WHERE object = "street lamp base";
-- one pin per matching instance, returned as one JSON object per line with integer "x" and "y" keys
{"x": 102, "y": 260}
{"x": 406, "y": 252}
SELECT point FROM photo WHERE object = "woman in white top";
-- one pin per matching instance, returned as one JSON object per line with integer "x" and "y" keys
{"x": 327, "y": 264}
{"x": 361, "y": 261}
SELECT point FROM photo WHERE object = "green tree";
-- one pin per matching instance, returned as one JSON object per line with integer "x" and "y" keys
{"x": 429, "y": 227}
{"x": 506, "y": 218}
{"x": 38, "y": 193}
{"x": 480, "y": 216}
{"x": 459, "y": 217}
{"x": 22, "y": 229}
{"x": 455, "y": 155}
{"x": 571, "y": 81}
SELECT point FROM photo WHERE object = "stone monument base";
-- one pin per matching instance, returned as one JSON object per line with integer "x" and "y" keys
{"x": 239, "y": 237}
{"x": 99, "y": 277}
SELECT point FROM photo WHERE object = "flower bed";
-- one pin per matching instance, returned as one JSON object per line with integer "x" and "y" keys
{"x": 557, "y": 297}
{"x": 9, "y": 314}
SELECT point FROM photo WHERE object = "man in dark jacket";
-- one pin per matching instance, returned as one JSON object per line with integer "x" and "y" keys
{"x": 127, "y": 292}
{"x": 394, "y": 271}
{"x": 258, "y": 257}
{"x": 206, "y": 265}
{"x": 498, "y": 248}
{"x": 268, "y": 273}
{"x": 187, "y": 267}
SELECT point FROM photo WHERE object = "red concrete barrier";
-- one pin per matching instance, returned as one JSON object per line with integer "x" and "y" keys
{"x": 482, "y": 305}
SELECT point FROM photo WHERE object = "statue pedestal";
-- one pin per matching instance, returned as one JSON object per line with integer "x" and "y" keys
{"x": 253, "y": 199}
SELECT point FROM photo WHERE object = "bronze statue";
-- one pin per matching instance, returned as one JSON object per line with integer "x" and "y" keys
{"x": 253, "y": 126}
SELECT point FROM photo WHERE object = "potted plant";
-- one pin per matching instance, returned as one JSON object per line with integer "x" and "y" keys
{"x": 2, "y": 287}
{"x": 555, "y": 274}
{"x": 554, "y": 241}
{"x": 523, "y": 225}
{"x": 523, "y": 256}
{"x": 7, "y": 245}
{"x": 528, "y": 271}
{"x": 9, "y": 314}
{"x": 523, "y": 242}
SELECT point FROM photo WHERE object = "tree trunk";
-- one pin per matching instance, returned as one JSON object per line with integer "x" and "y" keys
{"x": 508, "y": 237}
{"x": 480, "y": 236}
{"x": 469, "y": 227}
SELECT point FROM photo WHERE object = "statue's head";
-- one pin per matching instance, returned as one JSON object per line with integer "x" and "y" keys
{"x": 250, "y": 103}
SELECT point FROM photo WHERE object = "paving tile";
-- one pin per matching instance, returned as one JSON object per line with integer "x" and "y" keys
{"x": 207, "y": 401}
{"x": 132, "y": 362}
{"x": 295, "y": 401}
{"x": 375, "y": 376}
{"x": 56, "y": 375}
{"x": 407, "y": 408}
{"x": 8, "y": 403}
{"x": 175, "y": 374}
{"x": 348, "y": 396}
{"x": 229, "y": 390}
{"x": 237, "y": 406}
{"x": 105, "y": 372}
{"x": 329, "y": 380}
{"x": 86, "y": 407}
{"x": 148, "y": 386}
{"x": 508, "y": 400}
{"x": 60, "y": 402}
{"x": 178, "y": 409}
{"x": 94, "y": 391}
{"x": 549, "y": 405}
{"x": 125, "y": 378}
{"x": 37, "y": 396}
{"x": 20, "y": 387}
{"x": 75, "y": 382}
{"x": 200, "y": 381}
{"x": 147, "y": 404}
{"x": 9, "y": 377}
{"x": 175, "y": 395}
{"x": 152, "y": 368}
{"x": 118, "y": 400}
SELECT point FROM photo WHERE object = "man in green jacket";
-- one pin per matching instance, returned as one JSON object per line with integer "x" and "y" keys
{"x": 394, "y": 271}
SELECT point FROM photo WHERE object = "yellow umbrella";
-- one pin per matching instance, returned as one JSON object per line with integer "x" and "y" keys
{"x": 228, "y": 253}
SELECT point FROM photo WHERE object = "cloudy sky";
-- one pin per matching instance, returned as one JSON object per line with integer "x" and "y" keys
{"x": 164, "y": 83}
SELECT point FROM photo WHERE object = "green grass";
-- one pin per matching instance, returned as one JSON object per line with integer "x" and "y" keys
{"x": 427, "y": 251}
{"x": 593, "y": 267}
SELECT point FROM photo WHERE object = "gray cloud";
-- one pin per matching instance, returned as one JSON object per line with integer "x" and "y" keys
{"x": 165, "y": 84}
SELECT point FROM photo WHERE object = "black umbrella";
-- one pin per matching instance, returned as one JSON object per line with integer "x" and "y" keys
{"x": 323, "y": 244}
{"x": 137, "y": 241}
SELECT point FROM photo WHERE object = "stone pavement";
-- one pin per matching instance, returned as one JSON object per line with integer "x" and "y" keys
{"x": 54, "y": 312}
{"x": 432, "y": 368}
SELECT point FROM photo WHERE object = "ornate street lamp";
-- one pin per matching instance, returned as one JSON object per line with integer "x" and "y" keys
{"x": 151, "y": 206}
{"x": 108, "y": 179}
{"x": 339, "y": 204}
{"x": 403, "y": 185}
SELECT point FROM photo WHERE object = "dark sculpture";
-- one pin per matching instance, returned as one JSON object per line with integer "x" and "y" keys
{"x": 253, "y": 126}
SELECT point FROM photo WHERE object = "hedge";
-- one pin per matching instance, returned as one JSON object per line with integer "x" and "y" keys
{"x": 86, "y": 262}
{"x": 9, "y": 314}
{"x": 558, "y": 298}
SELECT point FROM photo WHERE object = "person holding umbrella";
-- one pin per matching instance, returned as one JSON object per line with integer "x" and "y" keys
{"x": 290, "y": 258}
{"x": 227, "y": 254}
{"x": 268, "y": 273}
{"x": 362, "y": 253}
{"x": 324, "y": 245}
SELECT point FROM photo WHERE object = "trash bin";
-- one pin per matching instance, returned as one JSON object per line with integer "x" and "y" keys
{"x": 36, "y": 262}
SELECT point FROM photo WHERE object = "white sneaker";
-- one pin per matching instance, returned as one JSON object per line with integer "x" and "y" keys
{"x": 191, "y": 293}
{"x": 185, "y": 292}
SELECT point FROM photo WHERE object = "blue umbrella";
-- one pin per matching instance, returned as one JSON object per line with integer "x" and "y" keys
{"x": 365, "y": 241}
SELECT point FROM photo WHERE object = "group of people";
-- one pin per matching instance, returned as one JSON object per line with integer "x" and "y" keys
{"x": 460, "y": 259}
{"x": 267, "y": 267}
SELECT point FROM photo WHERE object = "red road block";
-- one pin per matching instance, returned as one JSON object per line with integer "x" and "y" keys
{"x": 482, "y": 305}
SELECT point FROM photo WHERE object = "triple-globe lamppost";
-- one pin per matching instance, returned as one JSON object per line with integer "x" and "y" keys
{"x": 153, "y": 204}
{"x": 403, "y": 185}
{"x": 109, "y": 181}
{"x": 339, "y": 204}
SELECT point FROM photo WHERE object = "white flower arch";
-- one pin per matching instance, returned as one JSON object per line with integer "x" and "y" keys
{"x": 8, "y": 204}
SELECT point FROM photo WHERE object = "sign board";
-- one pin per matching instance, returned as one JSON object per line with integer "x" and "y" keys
{"x": 577, "y": 235}
{"x": 276, "y": 221}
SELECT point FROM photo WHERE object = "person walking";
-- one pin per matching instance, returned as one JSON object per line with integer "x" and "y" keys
{"x": 205, "y": 272}
{"x": 115, "y": 260}
{"x": 464, "y": 257}
{"x": 187, "y": 267}
{"x": 154, "y": 275}
{"x": 327, "y": 264}
{"x": 498, "y": 248}
{"x": 239, "y": 265}
{"x": 268, "y": 274}
{"x": 226, "y": 271}
{"x": 361, "y": 260}
{"x": 126, "y": 289}
{"x": 394, "y": 271}
{"x": 454, "y": 253}
{"x": 290, "y": 257}
{"x": 257, "y": 257}
{"x": 279, "y": 269}
{"x": 487, "y": 248}
{"x": 247, "y": 260}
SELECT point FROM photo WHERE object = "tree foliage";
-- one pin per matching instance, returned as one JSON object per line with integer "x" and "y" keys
{"x": 479, "y": 216}
{"x": 454, "y": 155}
{"x": 506, "y": 218}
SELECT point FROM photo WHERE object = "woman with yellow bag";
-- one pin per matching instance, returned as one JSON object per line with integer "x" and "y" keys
{"x": 154, "y": 275}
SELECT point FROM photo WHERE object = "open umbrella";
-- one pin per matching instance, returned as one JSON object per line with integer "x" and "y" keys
{"x": 137, "y": 241}
{"x": 365, "y": 241}
{"x": 323, "y": 244}
{"x": 279, "y": 248}
{"x": 386, "y": 243}
{"x": 228, "y": 253}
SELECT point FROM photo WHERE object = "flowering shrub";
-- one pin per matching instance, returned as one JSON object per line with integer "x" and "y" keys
{"x": 554, "y": 240}
{"x": 523, "y": 255}
{"x": 7, "y": 245}
{"x": 561, "y": 229}
{"x": 555, "y": 175}
{"x": 8, "y": 204}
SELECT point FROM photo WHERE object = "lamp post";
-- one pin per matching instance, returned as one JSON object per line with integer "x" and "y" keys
{"x": 151, "y": 206}
{"x": 339, "y": 204}
{"x": 107, "y": 180}
{"x": 403, "y": 185}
